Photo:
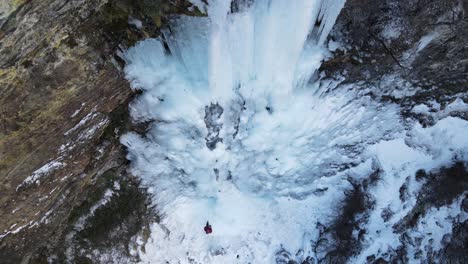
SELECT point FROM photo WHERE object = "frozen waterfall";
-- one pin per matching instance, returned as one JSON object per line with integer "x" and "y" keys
{"x": 243, "y": 132}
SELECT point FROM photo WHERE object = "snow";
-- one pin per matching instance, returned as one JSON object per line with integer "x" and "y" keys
{"x": 80, "y": 223}
{"x": 92, "y": 114}
{"x": 334, "y": 46}
{"x": 434, "y": 104}
{"x": 17, "y": 230}
{"x": 438, "y": 222}
{"x": 136, "y": 22}
{"x": 426, "y": 40}
{"x": 391, "y": 31}
{"x": 394, "y": 154}
{"x": 395, "y": 86}
{"x": 88, "y": 133}
{"x": 421, "y": 148}
{"x": 42, "y": 171}
{"x": 421, "y": 109}
{"x": 458, "y": 105}
{"x": 283, "y": 136}
{"x": 199, "y": 4}
{"x": 78, "y": 110}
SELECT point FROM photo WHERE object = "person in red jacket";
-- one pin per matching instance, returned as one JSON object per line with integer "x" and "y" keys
{"x": 208, "y": 229}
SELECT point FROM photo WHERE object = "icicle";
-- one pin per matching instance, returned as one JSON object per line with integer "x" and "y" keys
{"x": 329, "y": 11}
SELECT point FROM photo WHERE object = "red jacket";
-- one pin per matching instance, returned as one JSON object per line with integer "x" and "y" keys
{"x": 208, "y": 229}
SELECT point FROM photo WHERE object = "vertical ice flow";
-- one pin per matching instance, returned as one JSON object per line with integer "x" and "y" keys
{"x": 263, "y": 42}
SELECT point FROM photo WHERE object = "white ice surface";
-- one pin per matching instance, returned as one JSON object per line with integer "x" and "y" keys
{"x": 284, "y": 135}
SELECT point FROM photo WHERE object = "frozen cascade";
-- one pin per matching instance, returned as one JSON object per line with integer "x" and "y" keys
{"x": 241, "y": 134}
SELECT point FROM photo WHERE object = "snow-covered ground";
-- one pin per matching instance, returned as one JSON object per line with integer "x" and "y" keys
{"x": 244, "y": 135}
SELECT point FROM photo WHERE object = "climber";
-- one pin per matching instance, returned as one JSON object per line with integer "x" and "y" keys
{"x": 207, "y": 228}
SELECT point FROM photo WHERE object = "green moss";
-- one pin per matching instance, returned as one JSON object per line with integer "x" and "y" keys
{"x": 8, "y": 75}
{"x": 17, "y": 3}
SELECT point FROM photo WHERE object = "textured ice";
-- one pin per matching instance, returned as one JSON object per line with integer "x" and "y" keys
{"x": 280, "y": 136}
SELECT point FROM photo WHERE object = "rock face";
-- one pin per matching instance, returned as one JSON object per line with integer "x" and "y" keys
{"x": 421, "y": 42}
{"x": 63, "y": 106}
{"x": 412, "y": 53}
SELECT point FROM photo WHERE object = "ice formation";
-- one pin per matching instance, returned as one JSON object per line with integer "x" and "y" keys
{"x": 244, "y": 134}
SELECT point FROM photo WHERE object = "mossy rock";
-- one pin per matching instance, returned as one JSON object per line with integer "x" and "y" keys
{"x": 105, "y": 181}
